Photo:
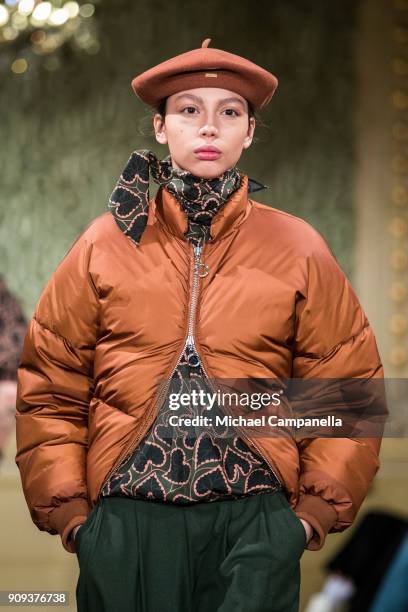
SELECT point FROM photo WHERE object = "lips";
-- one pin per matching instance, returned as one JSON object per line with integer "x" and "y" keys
{"x": 207, "y": 153}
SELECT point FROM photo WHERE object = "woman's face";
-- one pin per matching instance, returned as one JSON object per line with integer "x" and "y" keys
{"x": 205, "y": 117}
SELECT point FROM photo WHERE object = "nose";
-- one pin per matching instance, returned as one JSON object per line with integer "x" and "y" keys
{"x": 208, "y": 130}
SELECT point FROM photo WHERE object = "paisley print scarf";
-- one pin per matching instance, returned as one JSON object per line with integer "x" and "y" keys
{"x": 200, "y": 198}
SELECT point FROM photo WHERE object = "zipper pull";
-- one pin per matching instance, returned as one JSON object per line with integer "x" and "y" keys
{"x": 201, "y": 268}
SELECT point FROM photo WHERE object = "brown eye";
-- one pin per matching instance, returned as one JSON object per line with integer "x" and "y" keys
{"x": 188, "y": 107}
{"x": 234, "y": 111}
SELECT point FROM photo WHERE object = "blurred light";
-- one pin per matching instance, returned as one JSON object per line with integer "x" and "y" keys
{"x": 71, "y": 25}
{"x": 399, "y": 259}
{"x": 49, "y": 44}
{"x": 19, "y": 66}
{"x": 25, "y": 7}
{"x": 398, "y": 227}
{"x": 398, "y": 355}
{"x": 10, "y": 33}
{"x": 83, "y": 39}
{"x": 87, "y": 10}
{"x": 399, "y": 196}
{"x": 19, "y": 21}
{"x": 72, "y": 8}
{"x": 38, "y": 37}
{"x": 58, "y": 17}
{"x": 398, "y": 324}
{"x": 11, "y": 2}
{"x": 42, "y": 11}
{"x": 399, "y": 291}
{"x": 4, "y": 15}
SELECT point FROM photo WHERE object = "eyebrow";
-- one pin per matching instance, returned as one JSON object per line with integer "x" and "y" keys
{"x": 222, "y": 100}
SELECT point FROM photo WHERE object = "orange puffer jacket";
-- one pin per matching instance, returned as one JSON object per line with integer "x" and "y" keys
{"x": 271, "y": 301}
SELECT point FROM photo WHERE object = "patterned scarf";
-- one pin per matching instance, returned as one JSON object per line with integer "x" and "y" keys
{"x": 200, "y": 198}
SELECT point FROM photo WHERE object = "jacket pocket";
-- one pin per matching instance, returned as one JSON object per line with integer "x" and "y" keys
{"x": 87, "y": 534}
{"x": 297, "y": 523}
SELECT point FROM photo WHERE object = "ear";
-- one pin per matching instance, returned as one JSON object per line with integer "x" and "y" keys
{"x": 159, "y": 126}
{"x": 251, "y": 129}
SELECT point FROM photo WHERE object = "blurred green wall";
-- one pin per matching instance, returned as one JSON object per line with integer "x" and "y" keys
{"x": 66, "y": 135}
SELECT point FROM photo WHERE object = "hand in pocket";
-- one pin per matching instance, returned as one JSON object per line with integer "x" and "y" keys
{"x": 308, "y": 528}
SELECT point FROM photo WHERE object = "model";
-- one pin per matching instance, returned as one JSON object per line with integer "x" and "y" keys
{"x": 159, "y": 297}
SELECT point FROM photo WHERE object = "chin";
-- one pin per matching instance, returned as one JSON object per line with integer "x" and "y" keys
{"x": 208, "y": 169}
{"x": 203, "y": 168}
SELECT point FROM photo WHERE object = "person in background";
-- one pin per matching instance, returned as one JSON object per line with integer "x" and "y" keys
{"x": 379, "y": 541}
{"x": 13, "y": 327}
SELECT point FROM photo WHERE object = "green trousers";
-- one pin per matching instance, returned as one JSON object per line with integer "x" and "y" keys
{"x": 224, "y": 556}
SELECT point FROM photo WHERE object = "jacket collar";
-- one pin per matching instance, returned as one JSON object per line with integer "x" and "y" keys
{"x": 170, "y": 214}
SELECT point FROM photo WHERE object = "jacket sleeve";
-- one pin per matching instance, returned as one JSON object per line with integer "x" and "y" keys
{"x": 54, "y": 386}
{"x": 333, "y": 340}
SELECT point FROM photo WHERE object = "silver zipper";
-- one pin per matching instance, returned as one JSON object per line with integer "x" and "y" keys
{"x": 190, "y": 339}
{"x": 197, "y": 264}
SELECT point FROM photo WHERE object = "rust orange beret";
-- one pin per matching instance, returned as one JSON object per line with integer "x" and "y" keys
{"x": 206, "y": 67}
